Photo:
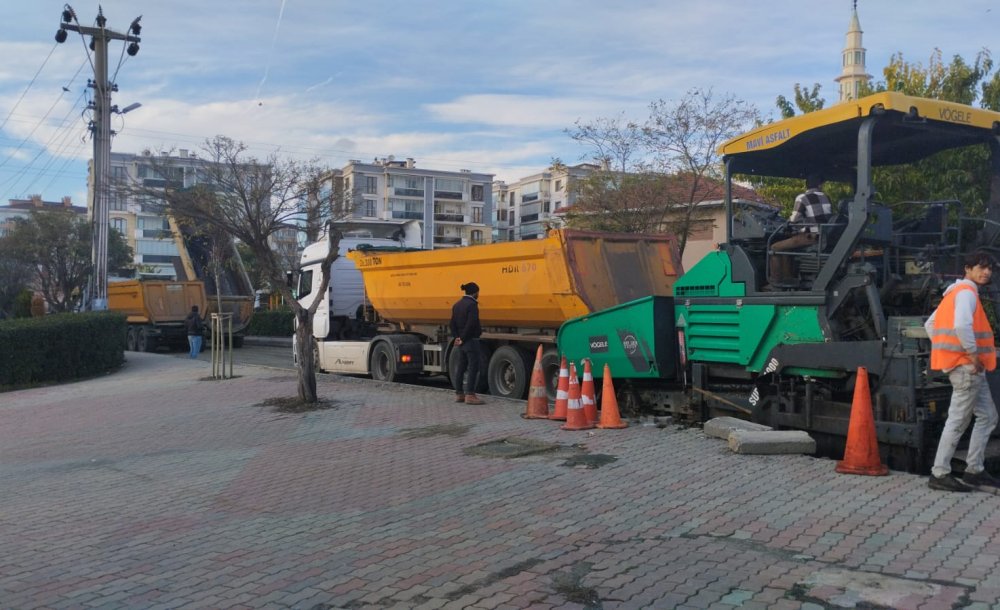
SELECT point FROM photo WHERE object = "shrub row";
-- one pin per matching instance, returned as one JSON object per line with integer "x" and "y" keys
{"x": 275, "y": 323}
{"x": 60, "y": 347}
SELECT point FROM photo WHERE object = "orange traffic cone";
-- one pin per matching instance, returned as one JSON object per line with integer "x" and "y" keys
{"x": 861, "y": 453}
{"x": 588, "y": 396}
{"x": 562, "y": 393}
{"x": 575, "y": 417}
{"x": 610, "y": 418}
{"x": 538, "y": 402}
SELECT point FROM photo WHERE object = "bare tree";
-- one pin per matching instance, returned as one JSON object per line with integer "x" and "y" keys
{"x": 684, "y": 138}
{"x": 252, "y": 200}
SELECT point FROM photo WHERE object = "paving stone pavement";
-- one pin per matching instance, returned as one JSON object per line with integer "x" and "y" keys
{"x": 157, "y": 487}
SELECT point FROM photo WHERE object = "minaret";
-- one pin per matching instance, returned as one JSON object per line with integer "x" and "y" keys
{"x": 853, "y": 71}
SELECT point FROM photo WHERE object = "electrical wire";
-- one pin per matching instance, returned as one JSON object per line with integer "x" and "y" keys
{"x": 28, "y": 88}
{"x": 63, "y": 135}
{"x": 37, "y": 125}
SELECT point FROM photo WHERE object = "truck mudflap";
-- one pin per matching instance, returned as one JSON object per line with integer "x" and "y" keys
{"x": 395, "y": 357}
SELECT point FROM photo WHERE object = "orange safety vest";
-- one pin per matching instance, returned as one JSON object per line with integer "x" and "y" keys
{"x": 946, "y": 350}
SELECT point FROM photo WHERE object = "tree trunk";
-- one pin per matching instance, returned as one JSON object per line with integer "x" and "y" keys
{"x": 304, "y": 354}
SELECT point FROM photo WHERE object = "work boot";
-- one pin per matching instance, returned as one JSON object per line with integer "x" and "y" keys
{"x": 947, "y": 483}
{"x": 980, "y": 479}
{"x": 459, "y": 397}
{"x": 472, "y": 399}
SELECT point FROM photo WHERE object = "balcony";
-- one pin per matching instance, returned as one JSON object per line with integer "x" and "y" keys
{"x": 409, "y": 192}
{"x": 401, "y": 214}
{"x": 447, "y": 195}
{"x": 441, "y": 240}
{"x": 449, "y": 217}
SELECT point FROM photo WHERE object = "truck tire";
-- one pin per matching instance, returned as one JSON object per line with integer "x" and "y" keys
{"x": 509, "y": 372}
{"x": 130, "y": 339}
{"x": 550, "y": 370}
{"x": 383, "y": 362}
{"x": 144, "y": 342}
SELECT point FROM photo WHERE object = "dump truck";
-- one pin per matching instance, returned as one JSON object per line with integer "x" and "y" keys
{"x": 155, "y": 310}
{"x": 398, "y": 326}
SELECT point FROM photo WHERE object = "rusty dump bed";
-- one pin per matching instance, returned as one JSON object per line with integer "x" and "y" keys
{"x": 156, "y": 301}
{"x": 536, "y": 283}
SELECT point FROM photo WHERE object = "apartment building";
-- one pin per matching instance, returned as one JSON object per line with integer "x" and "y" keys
{"x": 454, "y": 208}
{"x": 22, "y": 208}
{"x": 527, "y": 208}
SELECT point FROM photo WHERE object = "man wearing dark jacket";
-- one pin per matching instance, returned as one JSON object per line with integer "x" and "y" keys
{"x": 195, "y": 328}
{"x": 466, "y": 329}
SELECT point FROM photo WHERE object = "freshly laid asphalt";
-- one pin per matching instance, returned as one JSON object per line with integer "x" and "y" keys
{"x": 158, "y": 487}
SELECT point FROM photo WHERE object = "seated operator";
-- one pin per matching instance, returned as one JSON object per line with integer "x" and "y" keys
{"x": 812, "y": 209}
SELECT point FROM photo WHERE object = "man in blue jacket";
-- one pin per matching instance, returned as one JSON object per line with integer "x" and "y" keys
{"x": 466, "y": 329}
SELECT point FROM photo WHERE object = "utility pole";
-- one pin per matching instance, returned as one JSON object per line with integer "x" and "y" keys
{"x": 100, "y": 36}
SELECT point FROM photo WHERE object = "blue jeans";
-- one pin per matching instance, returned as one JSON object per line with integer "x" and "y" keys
{"x": 195, "y": 342}
{"x": 471, "y": 355}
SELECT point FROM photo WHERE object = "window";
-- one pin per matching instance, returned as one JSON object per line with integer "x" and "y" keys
{"x": 700, "y": 231}
{"x": 477, "y": 236}
{"x": 116, "y": 201}
{"x": 370, "y": 207}
{"x": 118, "y": 224}
{"x": 477, "y": 192}
{"x": 407, "y": 186}
{"x": 857, "y": 57}
{"x": 371, "y": 186}
{"x": 558, "y": 185}
{"x": 445, "y": 188}
{"x": 305, "y": 283}
{"x": 477, "y": 215}
{"x": 406, "y": 209}
{"x": 118, "y": 174}
{"x": 347, "y": 185}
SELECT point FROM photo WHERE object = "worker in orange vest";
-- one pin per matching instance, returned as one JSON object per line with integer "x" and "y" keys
{"x": 962, "y": 346}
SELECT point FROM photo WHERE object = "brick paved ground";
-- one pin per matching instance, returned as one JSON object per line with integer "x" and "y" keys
{"x": 157, "y": 488}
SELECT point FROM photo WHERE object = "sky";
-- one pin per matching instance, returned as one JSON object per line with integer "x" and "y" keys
{"x": 488, "y": 86}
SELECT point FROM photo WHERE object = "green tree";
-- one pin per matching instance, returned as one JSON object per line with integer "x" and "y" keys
{"x": 15, "y": 275}
{"x": 56, "y": 244}
{"x": 806, "y": 100}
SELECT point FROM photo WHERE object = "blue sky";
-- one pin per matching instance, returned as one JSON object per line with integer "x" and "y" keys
{"x": 455, "y": 84}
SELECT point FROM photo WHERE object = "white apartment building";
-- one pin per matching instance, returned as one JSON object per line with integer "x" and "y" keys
{"x": 453, "y": 208}
{"x": 527, "y": 208}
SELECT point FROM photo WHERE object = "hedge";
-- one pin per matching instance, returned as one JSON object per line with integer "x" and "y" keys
{"x": 275, "y": 323}
{"x": 60, "y": 347}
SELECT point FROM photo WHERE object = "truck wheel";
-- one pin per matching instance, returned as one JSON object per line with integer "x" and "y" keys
{"x": 509, "y": 372}
{"x": 550, "y": 370}
{"x": 383, "y": 362}
{"x": 130, "y": 339}
{"x": 145, "y": 343}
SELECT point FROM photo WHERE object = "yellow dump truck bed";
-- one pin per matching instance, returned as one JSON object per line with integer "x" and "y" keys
{"x": 537, "y": 283}
{"x": 156, "y": 301}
